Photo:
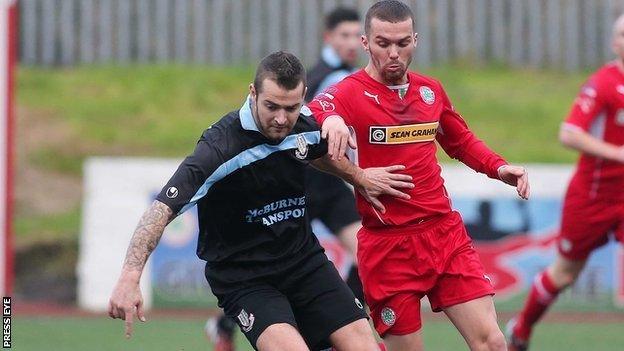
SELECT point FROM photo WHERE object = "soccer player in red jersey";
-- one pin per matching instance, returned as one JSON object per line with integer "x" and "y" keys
{"x": 418, "y": 246}
{"x": 594, "y": 203}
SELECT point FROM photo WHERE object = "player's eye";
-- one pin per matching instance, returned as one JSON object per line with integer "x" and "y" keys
{"x": 291, "y": 109}
{"x": 383, "y": 44}
{"x": 271, "y": 107}
{"x": 404, "y": 43}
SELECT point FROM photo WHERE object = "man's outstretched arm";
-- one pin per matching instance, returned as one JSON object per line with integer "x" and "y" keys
{"x": 126, "y": 299}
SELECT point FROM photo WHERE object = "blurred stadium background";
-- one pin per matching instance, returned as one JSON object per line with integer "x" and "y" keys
{"x": 110, "y": 94}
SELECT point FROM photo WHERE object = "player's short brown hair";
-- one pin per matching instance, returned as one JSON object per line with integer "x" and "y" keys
{"x": 281, "y": 67}
{"x": 388, "y": 11}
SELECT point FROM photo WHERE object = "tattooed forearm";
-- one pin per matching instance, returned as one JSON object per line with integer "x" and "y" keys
{"x": 344, "y": 168}
{"x": 146, "y": 235}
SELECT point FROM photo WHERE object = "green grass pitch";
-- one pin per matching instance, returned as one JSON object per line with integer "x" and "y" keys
{"x": 73, "y": 333}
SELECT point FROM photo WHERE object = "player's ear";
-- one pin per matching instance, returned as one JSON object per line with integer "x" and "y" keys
{"x": 364, "y": 42}
{"x": 305, "y": 90}
{"x": 252, "y": 91}
{"x": 326, "y": 35}
{"x": 415, "y": 39}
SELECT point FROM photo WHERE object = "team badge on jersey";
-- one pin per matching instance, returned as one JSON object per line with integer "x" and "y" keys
{"x": 427, "y": 95}
{"x": 411, "y": 133}
{"x": 388, "y": 317}
{"x": 246, "y": 320}
{"x": 302, "y": 148}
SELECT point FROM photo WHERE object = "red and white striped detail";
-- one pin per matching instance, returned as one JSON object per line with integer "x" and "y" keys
{"x": 8, "y": 34}
{"x": 543, "y": 295}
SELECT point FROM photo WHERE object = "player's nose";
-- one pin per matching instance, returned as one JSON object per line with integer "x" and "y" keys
{"x": 280, "y": 117}
{"x": 394, "y": 52}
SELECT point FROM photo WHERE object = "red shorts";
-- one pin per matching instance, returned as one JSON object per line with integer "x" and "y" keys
{"x": 400, "y": 266}
{"x": 586, "y": 224}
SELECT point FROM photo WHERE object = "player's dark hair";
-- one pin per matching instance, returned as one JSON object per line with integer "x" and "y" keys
{"x": 393, "y": 11}
{"x": 281, "y": 67}
{"x": 339, "y": 15}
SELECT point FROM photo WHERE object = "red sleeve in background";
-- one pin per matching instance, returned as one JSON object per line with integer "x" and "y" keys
{"x": 461, "y": 144}
{"x": 588, "y": 104}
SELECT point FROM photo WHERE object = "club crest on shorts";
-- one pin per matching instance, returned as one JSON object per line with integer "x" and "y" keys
{"x": 427, "y": 95}
{"x": 565, "y": 245}
{"x": 246, "y": 320}
{"x": 388, "y": 317}
{"x": 302, "y": 147}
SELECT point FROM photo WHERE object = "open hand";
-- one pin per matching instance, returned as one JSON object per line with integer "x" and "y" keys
{"x": 379, "y": 181}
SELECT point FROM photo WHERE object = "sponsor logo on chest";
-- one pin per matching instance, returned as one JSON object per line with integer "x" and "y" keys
{"x": 411, "y": 133}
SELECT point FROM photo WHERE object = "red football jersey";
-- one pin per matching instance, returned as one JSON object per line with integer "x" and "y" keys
{"x": 391, "y": 130}
{"x": 599, "y": 111}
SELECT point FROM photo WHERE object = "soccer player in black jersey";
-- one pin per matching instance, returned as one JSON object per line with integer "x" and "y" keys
{"x": 328, "y": 198}
{"x": 263, "y": 263}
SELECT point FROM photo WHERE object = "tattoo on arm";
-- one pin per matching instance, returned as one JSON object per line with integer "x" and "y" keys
{"x": 344, "y": 168}
{"x": 147, "y": 234}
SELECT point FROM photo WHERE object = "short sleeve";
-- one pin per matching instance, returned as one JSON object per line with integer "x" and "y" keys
{"x": 332, "y": 101}
{"x": 589, "y": 103}
{"x": 190, "y": 181}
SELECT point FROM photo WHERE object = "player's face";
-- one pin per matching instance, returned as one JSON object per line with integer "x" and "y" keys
{"x": 390, "y": 46}
{"x": 345, "y": 39}
{"x": 618, "y": 38}
{"x": 276, "y": 109}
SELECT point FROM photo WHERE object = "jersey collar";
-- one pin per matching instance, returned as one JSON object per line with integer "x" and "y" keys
{"x": 247, "y": 120}
{"x": 387, "y": 88}
{"x": 249, "y": 123}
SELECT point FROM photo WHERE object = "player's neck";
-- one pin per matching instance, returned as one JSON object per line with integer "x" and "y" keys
{"x": 254, "y": 114}
{"x": 376, "y": 75}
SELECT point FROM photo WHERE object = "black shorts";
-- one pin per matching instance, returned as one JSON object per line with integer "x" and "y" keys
{"x": 313, "y": 299}
{"x": 330, "y": 200}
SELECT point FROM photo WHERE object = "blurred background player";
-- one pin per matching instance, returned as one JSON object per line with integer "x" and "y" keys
{"x": 330, "y": 200}
{"x": 418, "y": 246}
{"x": 594, "y": 203}
{"x": 340, "y": 54}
